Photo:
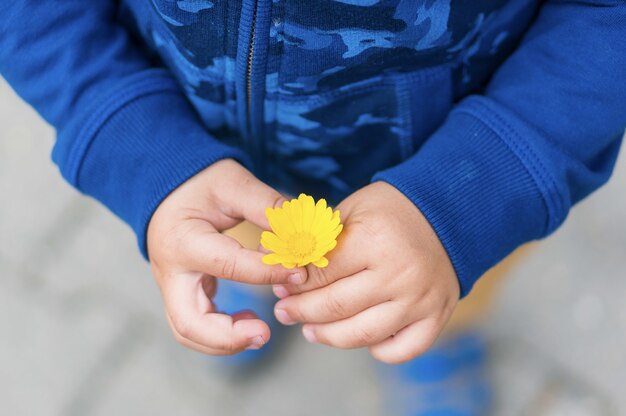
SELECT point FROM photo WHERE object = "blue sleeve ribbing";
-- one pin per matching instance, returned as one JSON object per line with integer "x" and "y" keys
{"x": 125, "y": 132}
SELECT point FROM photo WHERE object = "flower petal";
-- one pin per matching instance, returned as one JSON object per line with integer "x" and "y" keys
{"x": 320, "y": 208}
{"x": 308, "y": 212}
{"x": 272, "y": 258}
{"x": 321, "y": 204}
{"x": 287, "y": 213}
{"x": 328, "y": 236}
{"x": 327, "y": 247}
{"x": 321, "y": 263}
{"x": 272, "y": 242}
{"x": 328, "y": 214}
{"x": 322, "y": 251}
{"x": 332, "y": 224}
{"x": 279, "y": 224}
{"x": 295, "y": 214}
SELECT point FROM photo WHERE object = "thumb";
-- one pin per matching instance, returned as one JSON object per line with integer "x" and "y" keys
{"x": 247, "y": 198}
{"x": 205, "y": 250}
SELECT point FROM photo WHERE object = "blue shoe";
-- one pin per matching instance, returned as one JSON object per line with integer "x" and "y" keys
{"x": 449, "y": 380}
{"x": 232, "y": 297}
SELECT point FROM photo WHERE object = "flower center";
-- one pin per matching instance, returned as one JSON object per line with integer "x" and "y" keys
{"x": 302, "y": 244}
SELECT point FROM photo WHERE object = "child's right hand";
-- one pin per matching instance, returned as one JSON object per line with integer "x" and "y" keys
{"x": 188, "y": 252}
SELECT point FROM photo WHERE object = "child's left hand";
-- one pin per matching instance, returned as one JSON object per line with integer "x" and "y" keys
{"x": 389, "y": 286}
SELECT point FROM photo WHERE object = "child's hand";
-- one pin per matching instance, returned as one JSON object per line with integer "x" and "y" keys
{"x": 187, "y": 252}
{"x": 389, "y": 286}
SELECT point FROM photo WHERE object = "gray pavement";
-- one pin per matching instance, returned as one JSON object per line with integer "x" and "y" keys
{"x": 83, "y": 330}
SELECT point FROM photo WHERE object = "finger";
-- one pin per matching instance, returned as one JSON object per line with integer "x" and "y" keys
{"x": 247, "y": 198}
{"x": 340, "y": 300}
{"x": 190, "y": 344}
{"x": 222, "y": 256}
{"x": 409, "y": 343}
{"x": 348, "y": 258}
{"x": 200, "y": 348}
{"x": 244, "y": 315}
{"x": 369, "y": 327}
{"x": 194, "y": 320}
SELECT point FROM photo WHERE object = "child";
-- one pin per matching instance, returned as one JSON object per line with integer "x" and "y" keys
{"x": 451, "y": 132}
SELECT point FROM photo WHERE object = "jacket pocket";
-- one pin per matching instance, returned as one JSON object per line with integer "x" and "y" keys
{"x": 332, "y": 143}
{"x": 425, "y": 98}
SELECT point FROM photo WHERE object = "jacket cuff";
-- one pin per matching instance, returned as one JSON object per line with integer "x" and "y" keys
{"x": 481, "y": 186}
{"x": 137, "y": 146}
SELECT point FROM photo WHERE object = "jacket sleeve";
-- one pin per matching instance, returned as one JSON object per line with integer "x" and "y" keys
{"x": 507, "y": 165}
{"x": 126, "y": 134}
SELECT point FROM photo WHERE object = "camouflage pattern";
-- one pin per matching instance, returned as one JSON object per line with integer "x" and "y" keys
{"x": 340, "y": 88}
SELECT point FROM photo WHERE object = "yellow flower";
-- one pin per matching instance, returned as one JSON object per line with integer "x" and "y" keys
{"x": 303, "y": 232}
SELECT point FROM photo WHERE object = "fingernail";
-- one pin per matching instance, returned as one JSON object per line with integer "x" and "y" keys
{"x": 280, "y": 291}
{"x": 295, "y": 279}
{"x": 256, "y": 343}
{"x": 283, "y": 317}
{"x": 309, "y": 334}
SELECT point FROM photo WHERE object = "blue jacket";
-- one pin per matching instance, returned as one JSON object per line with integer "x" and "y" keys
{"x": 493, "y": 117}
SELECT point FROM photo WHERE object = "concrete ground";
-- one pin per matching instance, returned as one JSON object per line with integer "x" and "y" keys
{"x": 84, "y": 334}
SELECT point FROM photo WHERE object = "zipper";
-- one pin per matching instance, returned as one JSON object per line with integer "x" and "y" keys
{"x": 251, "y": 62}
{"x": 249, "y": 67}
